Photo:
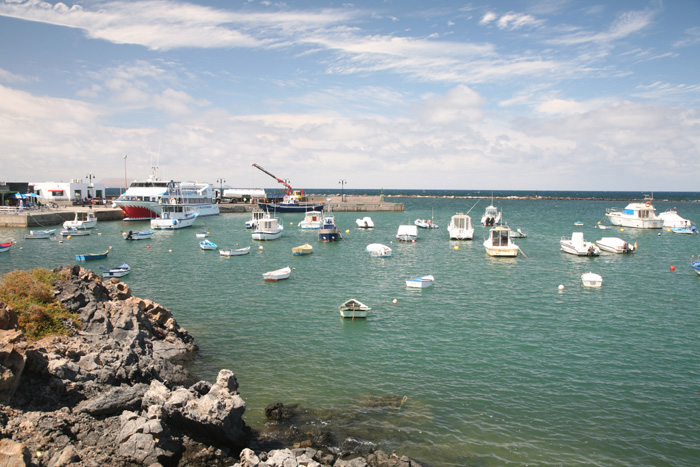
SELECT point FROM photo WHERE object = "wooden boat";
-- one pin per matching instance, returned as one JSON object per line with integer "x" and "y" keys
{"x": 354, "y": 309}
{"x": 500, "y": 244}
{"x": 234, "y": 252}
{"x": 5, "y": 246}
{"x": 378, "y": 250}
{"x": 118, "y": 271}
{"x": 74, "y": 232}
{"x": 207, "y": 245}
{"x": 420, "y": 282}
{"x": 39, "y": 233}
{"x": 91, "y": 256}
{"x": 277, "y": 275}
{"x": 301, "y": 250}
{"x": 615, "y": 245}
{"x": 576, "y": 245}
{"x": 591, "y": 279}
{"x": 140, "y": 235}
{"x": 82, "y": 220}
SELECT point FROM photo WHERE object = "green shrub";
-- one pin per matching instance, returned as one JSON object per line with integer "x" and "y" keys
{"x": 30, "y": 294}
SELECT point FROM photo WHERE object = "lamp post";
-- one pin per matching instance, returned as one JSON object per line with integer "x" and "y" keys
{"x": 125, "y": 187}
{"x": 342, "y": 189}
{"x": 221, "y": 182}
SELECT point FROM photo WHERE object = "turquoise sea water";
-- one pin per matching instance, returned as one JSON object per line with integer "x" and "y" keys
{"x": 494, "y": 365}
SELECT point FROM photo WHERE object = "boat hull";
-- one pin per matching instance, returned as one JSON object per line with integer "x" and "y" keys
{"x": 263, "y": 236}
{"x": 352, "y": 314}
{"x": 172, "y": 224}
{"x": 284, "y": 207}
{"x": 236, "y": 252}
{"x": 329, "y": 235}
{"x": 621, "y": 221}
{"x": 589, "y": 249}
{"x": 74, "y": 233}
{"x": 92, "y": 256}
{"x": 143, "y": 235}
{"x": 696, "y": 266}
{"x": 505, "y": 252}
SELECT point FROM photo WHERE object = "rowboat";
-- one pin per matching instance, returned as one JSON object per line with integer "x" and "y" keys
{"x": 420, "y": 282}
{"x": 118, "y": 271}
{"x": 354, "y": 309}
{"x": 234, "y": 252}
{"x": 277, "y": 275}
{"x": 140, "y": 235}
{"x": 74, "y": 232}
{"x": 300, "y": 250}
{"x": 90, "y": 256}
{"x": 5, "y": 246}
{"x": 207, "y": 244}
{"x": 39, "y": 233}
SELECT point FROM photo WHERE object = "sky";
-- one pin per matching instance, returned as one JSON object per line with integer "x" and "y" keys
{"x": 394, "y": 94}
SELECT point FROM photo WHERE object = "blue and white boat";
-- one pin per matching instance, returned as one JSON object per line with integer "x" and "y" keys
{"x": 118, "y": 271}
{"x": 207, "y": 244}
{"x": 696, "y": 266}
{"x": 140, "y": 235}
{"x": 683, "y": 230}
{"x": 328, "y": 231}
{"x": 420, "y": 282}
{"x": 39, "y": 233}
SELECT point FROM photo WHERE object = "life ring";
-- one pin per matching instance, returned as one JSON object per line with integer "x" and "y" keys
{"x": 173, "y": 201}
{"x": 648, "y": 203}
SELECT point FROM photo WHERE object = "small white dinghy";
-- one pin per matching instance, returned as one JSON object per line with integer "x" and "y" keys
{"x": 420, "y": 282}
{"x": 378, "y": 250}
{"x": 39, "y": 233}
{"x": 202, "y": 234}
{"x": 234, "y": 252}
{"x": 277, "y": 275}
{"x": 207, "y": 245}
{"x": 591, "y": 279}
{"x": 119, "y": 271}
{"x": 615, "y": 245}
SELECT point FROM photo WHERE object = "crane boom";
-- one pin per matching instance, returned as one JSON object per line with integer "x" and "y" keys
{"x": 289, "y": 188}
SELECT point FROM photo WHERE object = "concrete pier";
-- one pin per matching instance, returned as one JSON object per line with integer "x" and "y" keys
{"x": 55, "y": 216}
{"x": 337, "y": 203}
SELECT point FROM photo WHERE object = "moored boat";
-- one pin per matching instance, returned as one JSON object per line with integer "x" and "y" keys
{"x": 234, "y": 251}
{"x": 256, "y": 215}
{"x": 268, "y": 228}
{"x": 460, "y": 227}
{"x": 672, "y": 219}
{"x": 91, "y": 256}
{"x": 174, "y": 216}
{"x": 354, "y": 309}
{"x": 73, "y": 232}
{"x": 5, "y": 246}
{"x": 683, "y": 230}
{"x": 139, "y": 235}
{"x": 329, "y": 232}
{"x": 278, "y": 274}
{"x": 407, "y": 233}
{"x": 301, "y": 250}
{"x": 312, "y": 220}
{"x": 207, "y": 244}
{"x": 500, "y": 244}
{"x": 201, "y": 234}
{"x": 426, "y": 224}
{"x": 39, "y": 233}
{"x": 118, "y": 271}
{"x": 591, "y": 279}
{"x": 517, "y": 233}
{"x": 82, "y": 220}
{"x": 615, "y": 245}
{"x": 638, "y": 215}
{"x": 420, "y": 282}
{"x": 696, "y": 266}
{"x": 378, "y": 250}
{"x": 491, "y": 215}
{"x": 576, "y": 245}
{"x": 365, "y": 223}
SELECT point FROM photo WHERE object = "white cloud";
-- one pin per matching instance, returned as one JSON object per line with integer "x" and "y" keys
{"x": 488, "y": 18}
{"x": 626, "y": 24}
{"x": 517, "y": 21}
{"x": 691, "y": 37}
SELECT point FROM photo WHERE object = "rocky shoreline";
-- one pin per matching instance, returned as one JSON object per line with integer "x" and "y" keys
{"x": 115, "y": 392}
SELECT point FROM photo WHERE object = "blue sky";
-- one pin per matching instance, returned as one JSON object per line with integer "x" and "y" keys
{"x": 531, "y": 95}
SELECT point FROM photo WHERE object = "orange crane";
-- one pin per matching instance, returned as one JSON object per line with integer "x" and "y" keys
{"x": 289, "y": 188}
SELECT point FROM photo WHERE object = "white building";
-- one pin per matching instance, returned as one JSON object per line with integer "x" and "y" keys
{"x": 72, "y": 191}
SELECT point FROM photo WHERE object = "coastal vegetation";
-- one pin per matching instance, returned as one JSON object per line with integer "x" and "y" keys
{"x": 30, "y": 294}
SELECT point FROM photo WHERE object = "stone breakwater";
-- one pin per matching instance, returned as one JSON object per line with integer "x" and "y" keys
{"x": 115, "y": 392}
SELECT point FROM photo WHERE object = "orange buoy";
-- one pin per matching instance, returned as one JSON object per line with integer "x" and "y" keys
{"x": 673, "y": 268}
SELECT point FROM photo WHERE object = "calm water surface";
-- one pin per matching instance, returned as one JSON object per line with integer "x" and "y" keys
{"x": 493, "y": 365}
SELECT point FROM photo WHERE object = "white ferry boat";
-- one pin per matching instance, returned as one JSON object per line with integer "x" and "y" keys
{"x": 142, "y": 200}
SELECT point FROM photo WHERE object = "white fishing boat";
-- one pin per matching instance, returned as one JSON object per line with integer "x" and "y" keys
{"x": 500, "y": 244}
{"x": 407, "y": 233}
{"x": 234, "y": 251}
{"x": 639, "y": 215}
{"x": 39, "y": 233}
{"x": 460, "y": 227}
{"x": 378, "y": 250}
{"x": 268, "y": 228}
{"x": 174, "y": 216}
{"x": 591, "y": 279}
{"x": 672, "y": 219}
{"x": 576, "y": 245}
{"x": 302, "y": 250}
{"x": 312, "y": 220}
{"x": 82, "y": 220}
{"x": 615, "y": 245}
{"x": 277, "y": 275}
{"x": 365, "y": 223}
{"x": 118, "y": 271}
{"x": 139, "y": 235}
{"x": 354, "y": 309}
{"x": 207, "y": 244}
{"x": 420, "y": 282}
{"x": 256, "y": 215}
{"x": 491, "y": 215}
{"x": 73, "y": 232}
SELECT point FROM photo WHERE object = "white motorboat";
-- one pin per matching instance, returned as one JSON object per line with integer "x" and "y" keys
{"x": 378, "y": 250}
{"x": 277, "y": 275}
{"x": 491, "y": 215}
{"x": 73, "y": 232}
{"x": 39, "y": 233}
{"x": 672, "y": 219}
{"x": 118, "y": 271}
{"x": 426, "y": 224}
{"x": 407, "y": 233}
{"x": 639, "y": 215}
{"x": 201, "y": 234}
{"x": 268, "y": 228}
{"x": 82, "y": 220}
{"x": 460, "y": 227}
{"x": 615, "y": 245}
{"x": 591, "y": 279}
{"x": 365, "y": 223}
{"x": 354, "y": 309}
{"x": 140, "y": 235}
{"x": 207, "y": 244}
{"x": 312, "y": 220}
{"x": 500, "y": 244}
{"x": 576, "y": 245}
{"x": 256, "y": 215}
{"x": 302, "y": 250}
{"x": 420, "y": 282}
{"x": 234, "y": 251}
{"x": 174, "y": 216}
